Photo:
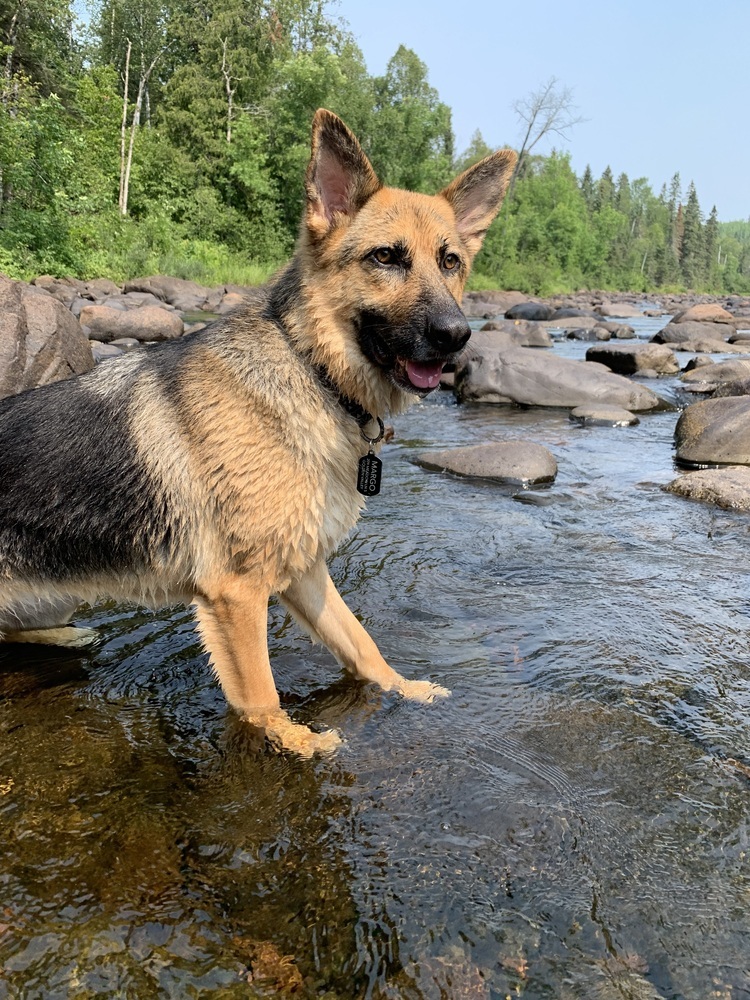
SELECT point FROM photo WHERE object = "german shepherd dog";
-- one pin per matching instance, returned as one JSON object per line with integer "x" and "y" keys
{"x": 222, "y": 468}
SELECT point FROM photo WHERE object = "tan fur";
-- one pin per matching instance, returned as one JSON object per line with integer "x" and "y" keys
{"x": 255, "y": 458}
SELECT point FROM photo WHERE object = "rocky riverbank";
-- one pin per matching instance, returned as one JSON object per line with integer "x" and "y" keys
{"x": 57, "y": 327}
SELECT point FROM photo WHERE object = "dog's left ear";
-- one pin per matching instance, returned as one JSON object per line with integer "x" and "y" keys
{"x": 340, "y": 178}
{"x": 477, "y": 194}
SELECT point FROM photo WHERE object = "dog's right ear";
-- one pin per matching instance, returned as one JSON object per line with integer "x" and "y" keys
{"x": 340, "y": 178}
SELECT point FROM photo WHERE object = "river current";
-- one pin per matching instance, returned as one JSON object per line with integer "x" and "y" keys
{"x": 571, "y": 823}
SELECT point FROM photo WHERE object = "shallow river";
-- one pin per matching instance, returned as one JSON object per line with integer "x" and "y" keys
{"x": 572, "y": 823}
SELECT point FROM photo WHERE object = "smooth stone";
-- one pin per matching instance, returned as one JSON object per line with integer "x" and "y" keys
{"x": 715, "y": 432}
{"x": 102, "y": 352}
{"x": 728, "y": 487}
{"x": 530, "y": 310}
{"x": 125, "y": 343}
{"x": 674, "y": 333}
{"x": 626, "y": 359}
{"x": 604, "y": 416}
{"x": 513, "y": 462}
{"x": 719, "y": 371}
{"x": 147, "y": 323}
{"x": 524, "y": 377}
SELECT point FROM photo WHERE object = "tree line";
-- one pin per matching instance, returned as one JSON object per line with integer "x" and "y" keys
{"x": 173, "y": 136}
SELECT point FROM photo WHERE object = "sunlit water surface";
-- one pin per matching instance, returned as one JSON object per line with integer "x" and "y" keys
{"x": 572, "y": 823}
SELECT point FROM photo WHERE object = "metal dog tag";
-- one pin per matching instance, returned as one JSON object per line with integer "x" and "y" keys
{"x": 368, "y": 475}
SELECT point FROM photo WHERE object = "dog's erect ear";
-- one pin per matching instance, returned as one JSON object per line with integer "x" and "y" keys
{"x": 340, "y": 178}
{"x": 477, "y": 194}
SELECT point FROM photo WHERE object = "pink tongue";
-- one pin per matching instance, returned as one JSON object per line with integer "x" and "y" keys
{"x": 424, "y": 376}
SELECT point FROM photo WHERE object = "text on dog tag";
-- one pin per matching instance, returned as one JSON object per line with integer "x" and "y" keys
{"x": 368, "y": 475}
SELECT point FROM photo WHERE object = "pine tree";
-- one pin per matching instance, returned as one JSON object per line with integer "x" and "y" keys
{"x": 605, "y": 190}
{"x": 692, "y": 250}
{"x": 588, "y": 189}
{"x": 710, "y": 250}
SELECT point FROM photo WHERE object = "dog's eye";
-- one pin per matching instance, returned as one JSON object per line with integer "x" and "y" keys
{"x": 384, "y": 255}
{"x": 451, "y": 262}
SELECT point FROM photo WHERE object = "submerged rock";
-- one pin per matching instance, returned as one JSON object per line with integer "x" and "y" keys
{"x": 513, "y": 462}
{"x": 728, "y": 487}
{"x": 604, "y": 416}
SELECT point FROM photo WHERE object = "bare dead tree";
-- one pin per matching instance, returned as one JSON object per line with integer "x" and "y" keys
{"x": 123, "y": 130}
{"x": 547, "y": 110}
{"x": 135, "y": 122}
{"x": 226, "y": 72}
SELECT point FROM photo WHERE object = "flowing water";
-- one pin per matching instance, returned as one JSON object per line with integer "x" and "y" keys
{"x": 572, "y": 823}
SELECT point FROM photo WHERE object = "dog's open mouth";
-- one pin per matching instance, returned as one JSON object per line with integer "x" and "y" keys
{"x": 417, "y": 376}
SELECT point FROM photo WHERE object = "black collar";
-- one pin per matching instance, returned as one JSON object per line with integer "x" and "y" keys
{"x": 352, "y": 407}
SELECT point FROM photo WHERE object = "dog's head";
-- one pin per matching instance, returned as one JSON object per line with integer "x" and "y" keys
{"x": 392, "y": 263}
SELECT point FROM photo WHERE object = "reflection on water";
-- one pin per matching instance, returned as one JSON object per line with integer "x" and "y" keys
{"x": 572, "y": 823}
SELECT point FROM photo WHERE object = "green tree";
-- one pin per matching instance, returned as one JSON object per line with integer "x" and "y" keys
{"x": 692, "y": 249}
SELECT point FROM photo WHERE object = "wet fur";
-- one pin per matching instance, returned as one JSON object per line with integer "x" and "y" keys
{"x": 220, "y": 469}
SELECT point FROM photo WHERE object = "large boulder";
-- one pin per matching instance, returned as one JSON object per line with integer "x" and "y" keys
{"x": 40, "y": 341}
{"x": 675, "y": 333}
{"x": 536, "y": 378}
{"x": 719, "y": 372}
{"x": 715, "y": 432}
{"x": 627, "y": 359}
{"x": 706, "y": 312}
{"x": 514, "y": 462}
{"x": 148, "y": 323}
{"x": 728, "y": 488}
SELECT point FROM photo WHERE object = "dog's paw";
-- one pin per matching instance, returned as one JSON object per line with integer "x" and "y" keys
{"x": 284, "y": 734}
{"x": 424, "y": 691}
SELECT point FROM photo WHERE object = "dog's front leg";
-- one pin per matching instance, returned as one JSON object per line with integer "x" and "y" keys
{"x": 233, "y": 621}
{"x": 314, "y": 601}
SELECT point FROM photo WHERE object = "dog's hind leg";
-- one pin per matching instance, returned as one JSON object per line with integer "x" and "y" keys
{"x": 233, "y": 621}
{"x": 44, "y": 620}
{"x": 314, "y": 601}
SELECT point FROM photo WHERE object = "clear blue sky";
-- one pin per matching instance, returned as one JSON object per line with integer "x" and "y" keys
{"x": 664, "y": 85}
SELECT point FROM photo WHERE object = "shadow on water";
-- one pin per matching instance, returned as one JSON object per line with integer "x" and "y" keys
{"x": 571, "y": 824}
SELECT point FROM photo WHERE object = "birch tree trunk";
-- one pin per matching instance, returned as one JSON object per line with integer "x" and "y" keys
{"x": 123, "y": 131}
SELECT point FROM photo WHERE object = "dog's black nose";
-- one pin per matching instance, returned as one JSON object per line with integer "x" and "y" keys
{"x": 448, "y": 332}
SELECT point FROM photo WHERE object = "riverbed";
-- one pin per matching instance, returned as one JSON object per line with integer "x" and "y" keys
{"x": 571, "y": 823}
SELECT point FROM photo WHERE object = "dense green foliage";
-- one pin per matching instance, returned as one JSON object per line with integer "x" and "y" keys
{"x": 199, "y": 171}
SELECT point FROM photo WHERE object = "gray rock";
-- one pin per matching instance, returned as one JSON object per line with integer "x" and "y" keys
{"x": 530, "y": 310}
{"x": 523, "y": 332}
{"x": 709, "y": 346}
{"x": 102, "y": 352}
{"x": 623, "y": 310}
{"x": 603, "y": 416}
{"x": 715, "y": 432}
{"x": 699, "y": 361}
{"x": 737, "y": 387}
{"x": 536, "y": 378}
{"x": 125, "y": 343}
{"x": 513, "y": 462}
{"x": 626, "y": 359}
{"x": 145, "y": 324}
{"x": 675, "y": 333}
{"x": 728, "y": 488}
{"x": 182, "y": 294}
{"x": 40, "y": 341}
{"x": 719, "y": 371}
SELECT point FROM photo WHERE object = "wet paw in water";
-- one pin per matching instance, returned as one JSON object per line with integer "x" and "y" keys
{"x": 424, "y": 691}
{"x": 284, "y": 734}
